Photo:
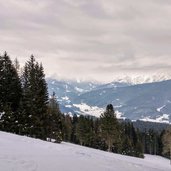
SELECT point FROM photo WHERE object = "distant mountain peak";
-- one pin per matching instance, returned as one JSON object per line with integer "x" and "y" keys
{"x": 141, "y": 79}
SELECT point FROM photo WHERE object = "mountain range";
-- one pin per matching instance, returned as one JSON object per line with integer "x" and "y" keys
{"x": 147, "y": 100}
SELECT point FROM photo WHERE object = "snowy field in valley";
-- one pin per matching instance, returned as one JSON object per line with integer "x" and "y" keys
{"x": 19, "y": 153}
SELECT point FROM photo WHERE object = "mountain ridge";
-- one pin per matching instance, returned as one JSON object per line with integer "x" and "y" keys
{"x": 138, "y": 101}
{"x": 127, "y": 79}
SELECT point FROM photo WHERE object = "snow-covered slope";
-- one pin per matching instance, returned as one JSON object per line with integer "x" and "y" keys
{"x": 19, "y": 153}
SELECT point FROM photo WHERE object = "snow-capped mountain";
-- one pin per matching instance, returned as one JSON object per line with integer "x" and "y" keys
{"x": 141, "y": 79}
{"x": 147, "y": 101}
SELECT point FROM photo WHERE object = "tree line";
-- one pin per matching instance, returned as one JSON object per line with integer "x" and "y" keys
{"x": 27, "y": 109}
{"x": 110, "y": 134}
{"x": 104, "y": 133}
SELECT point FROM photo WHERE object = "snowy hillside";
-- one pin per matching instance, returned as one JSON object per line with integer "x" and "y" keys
{"x": 19, "y": 153}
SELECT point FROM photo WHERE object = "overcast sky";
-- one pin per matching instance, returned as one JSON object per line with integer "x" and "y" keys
{"x": 89, "y": 39}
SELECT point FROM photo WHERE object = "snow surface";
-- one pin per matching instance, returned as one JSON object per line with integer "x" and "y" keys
{"x": 160, "y": 108}
{"x": 79, "y": 89}
{"x": 20, "y": 153}
{"x": 89, "y": 110}
{"x": 164, "y": 118}
{"x": 65, "y": 98}
{"x": 95, "y": 110}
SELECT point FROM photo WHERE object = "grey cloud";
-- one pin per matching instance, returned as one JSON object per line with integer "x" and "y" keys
{"x": 89, "y": 38}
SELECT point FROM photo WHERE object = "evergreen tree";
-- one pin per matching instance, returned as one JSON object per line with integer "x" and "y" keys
{"x": 17, "y": 65}
{"x": 35, "y": 99}
{"x": 160, "y": 143}
{"x": 109, "y": 127}
{"x": 74, "y": 138}
{"x": 98, "y": 141}
{"x": 53, "y": 121}
{"x": 67, "y": 128}
{"x": 126, "y": 146}
{"x": 10, "y": 94}
{"x": 84, "y": 130}
{"x": 167, "y": 143}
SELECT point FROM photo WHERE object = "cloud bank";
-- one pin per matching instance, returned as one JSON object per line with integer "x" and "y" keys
{"x": 89, "y": 39}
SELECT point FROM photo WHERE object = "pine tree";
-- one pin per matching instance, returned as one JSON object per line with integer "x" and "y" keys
{"x": 81, "y": 130}
{"x": 98, "y": 142}
{"x": 160, "y": 143}
{"x": 35, "y": 99}
{"x": 17, "y": 65}
{"x": 126, "y": 146}
{"x": 67, "y": 128}
{"x": 10, "y": 94}
{"x": 109, "y": 127}
{"x": 74, "y": 138}
{"x": 84, "y": 130}
{"x": 167, "y": 143}
{"x": 54, "y": 120}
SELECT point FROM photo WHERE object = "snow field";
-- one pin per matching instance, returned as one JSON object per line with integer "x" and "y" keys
{"x": 20, "y": 153}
